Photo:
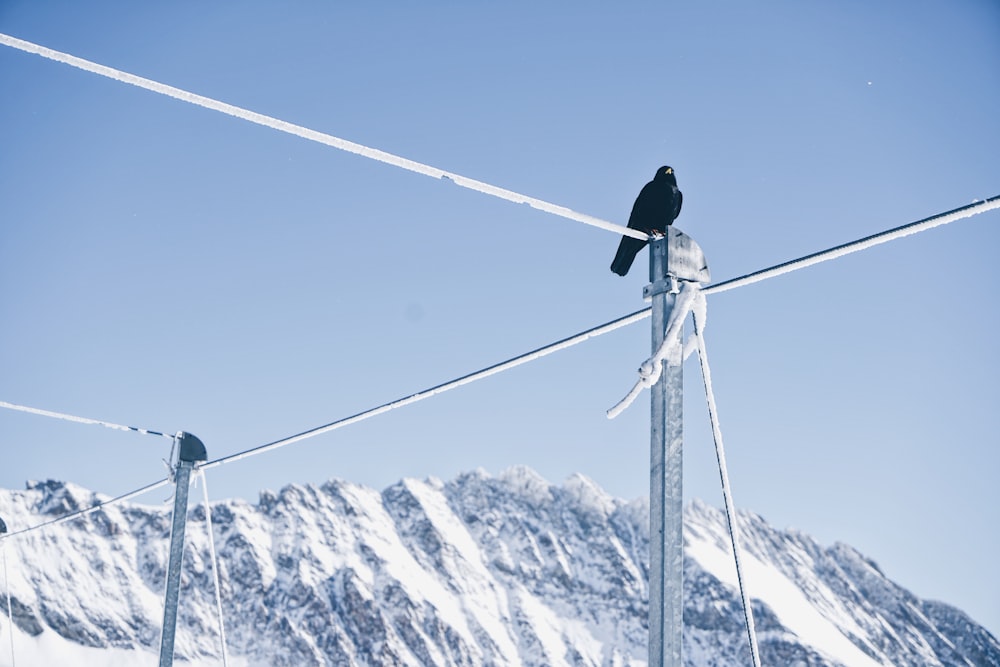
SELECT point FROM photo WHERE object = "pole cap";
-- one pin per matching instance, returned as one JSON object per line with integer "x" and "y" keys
{"x": 685, "y": 259}
{"x": 191, "y": 448}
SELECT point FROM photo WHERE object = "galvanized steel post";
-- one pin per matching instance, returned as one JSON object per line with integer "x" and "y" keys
{"x": 666, "y": 539}
{"x": 191, "y": 451}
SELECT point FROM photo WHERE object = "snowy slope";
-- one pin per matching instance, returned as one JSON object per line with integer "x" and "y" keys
{"x": 507, "y": 570}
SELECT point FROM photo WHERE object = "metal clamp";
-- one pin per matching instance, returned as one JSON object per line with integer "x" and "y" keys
{"x": 668, "y": 285}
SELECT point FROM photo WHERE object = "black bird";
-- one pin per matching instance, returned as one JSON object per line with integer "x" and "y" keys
{"x": 656, "y": 207}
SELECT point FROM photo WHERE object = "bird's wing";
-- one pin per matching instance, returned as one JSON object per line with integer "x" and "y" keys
{"x": 643, "y": 214}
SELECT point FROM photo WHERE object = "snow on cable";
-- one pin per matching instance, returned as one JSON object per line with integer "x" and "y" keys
{"x": 439, "y": 389}
{"x": 787, "y": 267}
{"x": 93, "y": 508}
{"x": 670, "y": 349}
{"x": 413, "y": 398}
{"x": 861, "y": 244}
{"x": 81, "y": 420}
{"x": 318, "y": 137}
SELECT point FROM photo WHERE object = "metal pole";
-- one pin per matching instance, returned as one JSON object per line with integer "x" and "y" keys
{"x": 666, "y": 540}
{"x": 191, "y": 451}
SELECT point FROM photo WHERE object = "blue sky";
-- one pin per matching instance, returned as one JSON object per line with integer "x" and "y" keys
{"x": 173, "y": 268}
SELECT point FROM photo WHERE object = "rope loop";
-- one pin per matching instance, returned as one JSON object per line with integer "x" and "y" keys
{"x": 670, "y": 351}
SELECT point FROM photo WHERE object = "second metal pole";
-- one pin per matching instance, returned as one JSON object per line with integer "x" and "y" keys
{"x": 191, "y": 450}
{"x": 666, "y": 539}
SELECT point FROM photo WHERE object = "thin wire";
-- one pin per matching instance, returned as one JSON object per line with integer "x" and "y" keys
{"x": 80, "y": 420}
{"x": 839, "y": 251}
{"x": 318, "y": 137}
{"x": 856, "y": 246}
{"x": 215, "y": 568}
{"x": 10, "y": 612}
{"x": 93, "y": 508}
{"x": 720, "y": 453}
{"x": 439, "y": 389}
{"x": 434, "y": 172}
{"x": 413, "y": 398}
{"x": 787, "y": 267}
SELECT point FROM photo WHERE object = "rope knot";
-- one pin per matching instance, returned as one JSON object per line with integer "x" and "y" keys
{"x": 649, "y": 372}
{"x": 670, "y": 349}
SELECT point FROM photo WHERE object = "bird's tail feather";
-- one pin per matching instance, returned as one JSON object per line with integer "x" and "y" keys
{"x": 627, "y": 250}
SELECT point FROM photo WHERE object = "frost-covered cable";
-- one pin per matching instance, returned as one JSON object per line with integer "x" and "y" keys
{"x": 318, "y": 137}
{"x": 608, "y": 327}
{"x": 846, "y": 249}
{"x": 93, "y": 508}
{"x": 6, "y": 590}
{"x": 439, "y": 389}
{"x": 80, "y": 420}
{"x": 632, "y": 318}
{"x": 413, "y": 398}
{"x": 215, "y": 569}
{"x": 856, "y": 246}
{"x": 699, "y": 312}
{"x": 651, "y": 369}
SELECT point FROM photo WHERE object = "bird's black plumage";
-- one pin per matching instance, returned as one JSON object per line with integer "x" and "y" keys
{"x": 656, "y": 207}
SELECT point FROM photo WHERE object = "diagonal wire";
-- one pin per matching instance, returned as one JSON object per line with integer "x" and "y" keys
{"x": 413, "y": 398}
{"x": 727, "y": 493}
{"x": 318, "y": 137}
{"x": 87, "y": 510}
{"x": 439, "y": 389}
{"x": 81, "y": 420}
{"x": 472, "y": 184}
{"x": 967, "y": 211}
{"x": 780, "y": 269}
{"x": 215, "y": 569}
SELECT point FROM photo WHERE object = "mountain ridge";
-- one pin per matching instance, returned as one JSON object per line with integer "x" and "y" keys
{"x": 479, "y": 570}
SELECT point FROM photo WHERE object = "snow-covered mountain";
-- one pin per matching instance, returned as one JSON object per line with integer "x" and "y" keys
{"x": 482, "y": 570}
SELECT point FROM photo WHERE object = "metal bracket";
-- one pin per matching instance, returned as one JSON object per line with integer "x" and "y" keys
{"x": 668, "y": 285}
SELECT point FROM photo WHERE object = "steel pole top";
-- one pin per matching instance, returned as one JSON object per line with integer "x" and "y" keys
{"x": 192, "y": 449}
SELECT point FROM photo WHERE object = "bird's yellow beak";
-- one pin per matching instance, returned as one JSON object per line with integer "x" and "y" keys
{"x": 670, "y": 170}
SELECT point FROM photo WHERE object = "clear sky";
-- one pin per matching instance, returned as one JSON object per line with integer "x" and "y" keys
{"x": 170, "y": 267}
